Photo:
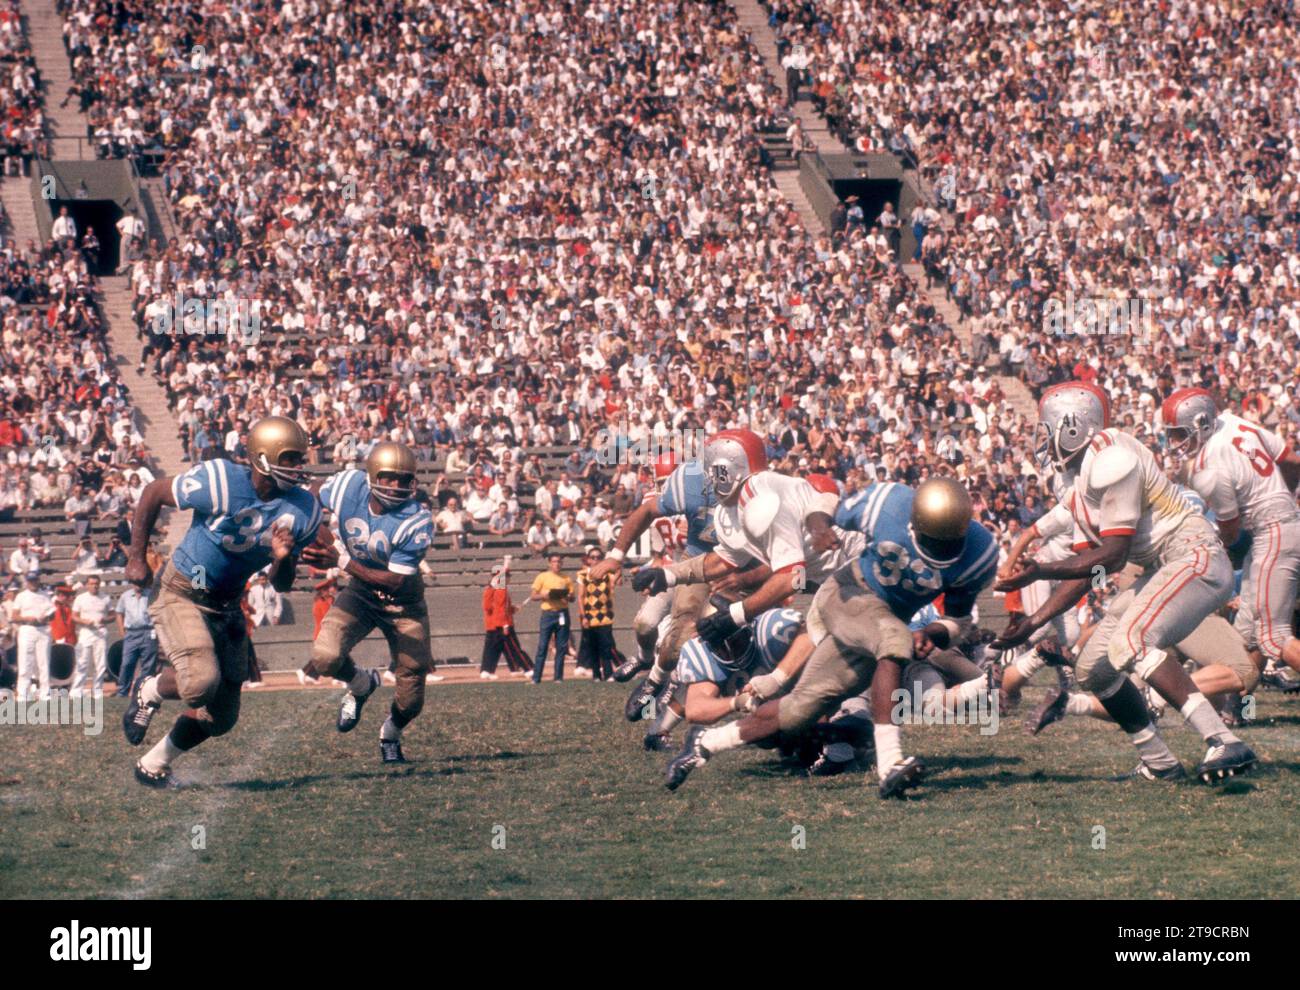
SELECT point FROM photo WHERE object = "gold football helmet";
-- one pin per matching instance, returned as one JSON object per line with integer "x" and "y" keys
{"x": 941, "y": 515}
{"x": 277, "y": 447}
{"x": 391, "y": 470}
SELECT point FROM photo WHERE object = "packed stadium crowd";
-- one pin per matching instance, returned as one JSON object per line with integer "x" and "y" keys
{"x": 472, "y": 231}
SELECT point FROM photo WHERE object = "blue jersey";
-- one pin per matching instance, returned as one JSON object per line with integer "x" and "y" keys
{"x": 686, "y": 494}
{"x": 229, "y": 539}
{"x": 896, "y": 572}
{"x": 395, "y": 541}
{"x": 774, "y": 631}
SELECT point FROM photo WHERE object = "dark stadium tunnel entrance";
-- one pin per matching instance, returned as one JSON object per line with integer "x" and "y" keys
{"x": 873, "y": 194}
{"x": 102, "y": 215}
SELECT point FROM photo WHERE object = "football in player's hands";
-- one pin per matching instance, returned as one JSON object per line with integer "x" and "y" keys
{"x": 321, "y": 552}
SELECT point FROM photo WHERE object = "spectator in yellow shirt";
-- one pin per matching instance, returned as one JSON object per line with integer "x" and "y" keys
{"x": 554, "y": 590}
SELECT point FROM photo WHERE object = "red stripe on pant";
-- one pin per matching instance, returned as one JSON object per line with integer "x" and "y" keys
{"x": 1263, "y": 614}
{"x": 1197, "y": 570}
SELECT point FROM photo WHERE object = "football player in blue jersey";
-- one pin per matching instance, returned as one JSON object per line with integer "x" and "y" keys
{"x": 685, "y": 493}
{"x": 246, "y": 517}
{"x": 920, "y": 544}
{"x": 385, "y": 534}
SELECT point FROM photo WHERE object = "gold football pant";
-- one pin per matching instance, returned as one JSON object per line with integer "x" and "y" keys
{"x": 404, "y": 624}
{"x": 206, "y": 643}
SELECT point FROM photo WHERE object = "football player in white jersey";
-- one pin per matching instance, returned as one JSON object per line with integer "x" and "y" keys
{"x": 1125, "y": 509}
{"x": 1247, "y": 476}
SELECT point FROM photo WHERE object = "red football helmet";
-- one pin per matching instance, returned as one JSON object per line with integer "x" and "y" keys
{"x": 1189, "y": 416}
{"x": 665, "y": 464}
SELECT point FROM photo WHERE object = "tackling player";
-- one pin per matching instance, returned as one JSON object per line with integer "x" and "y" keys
{"x": 245, "y": 517}
{"x": 1124, "y": 509}
{"x": 685, "y": 493}
{"x": 385, "y": 534}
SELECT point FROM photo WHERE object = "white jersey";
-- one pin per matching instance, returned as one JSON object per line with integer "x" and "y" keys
{"x": 1121, "y": 491}
{"x": 1056, "y": 528}
{"x": 767, "y": 525}
{"x": 1236, "y": 473}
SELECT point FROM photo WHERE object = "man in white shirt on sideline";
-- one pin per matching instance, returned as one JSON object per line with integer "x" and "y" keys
{"x": 32, "y": 613}
{"x": 264, "y": 602}
{"x": 90, "y": 615}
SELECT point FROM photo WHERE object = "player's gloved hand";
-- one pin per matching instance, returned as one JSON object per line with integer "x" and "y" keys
{"x": 766, "y": 686}
{"x": 717, "y": 628}
{"x": 651, "y": 579}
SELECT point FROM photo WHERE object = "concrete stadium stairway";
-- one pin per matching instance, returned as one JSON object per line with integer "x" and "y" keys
{"x": 64, "y": 125}
{"x": 16, "y": 192}
{"x": 154, "y": 418}
{"x": 752, "y": 19}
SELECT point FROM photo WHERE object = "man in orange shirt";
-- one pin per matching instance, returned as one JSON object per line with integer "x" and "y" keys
{"x": 62, "y": 629}
{"x": 499, "y": 627}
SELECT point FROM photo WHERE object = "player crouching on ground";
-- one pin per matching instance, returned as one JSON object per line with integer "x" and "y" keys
{"x": 918, "y": 545}
{"x": 385, "y": 534}
{"x": 244, "y": 519}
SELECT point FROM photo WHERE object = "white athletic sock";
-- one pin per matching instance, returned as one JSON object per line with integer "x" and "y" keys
{"x": 1152, "y": 748}
{"x": 889, "y": 747}
{"x": 657, "y": 674}
{"x": 722, "y": 738}
{"x": 1079, "y": 704}
{"x": 149, "y": 691}
{"x": 969, "y": 691}
{"x": 1029, "y": 663}
{"x": 1202, "y": 717}
{"x": 160, "y": 757}
{"x": 389, "y": 732}
{"x": 360, "y": 682}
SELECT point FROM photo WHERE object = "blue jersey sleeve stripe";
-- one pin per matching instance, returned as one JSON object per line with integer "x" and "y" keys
{"x": 886, "y": 492}
{"x": 984, "y": 565}
{"x": 223, "y": 486}
{"x": 213, "y": 491}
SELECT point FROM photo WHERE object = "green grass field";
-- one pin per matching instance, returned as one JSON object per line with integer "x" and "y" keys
{"x": 289, "y": 808}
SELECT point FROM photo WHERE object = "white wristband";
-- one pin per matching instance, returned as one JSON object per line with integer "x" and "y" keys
{"x": 738, "y": 613}
{"x": 779, "y": 676}
{"x": 616, "y": 554}
{"x": 345, "y": 558}
{"x": 670, "y": 578}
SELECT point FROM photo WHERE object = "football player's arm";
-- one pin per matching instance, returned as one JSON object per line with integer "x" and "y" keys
{"x": 380, "y": 577}
{"x": 1065, "y": 597}
{"x": 1109, "y": 557}
{"x": 742, "y": 580}
{"x": 705, "y": 704}
{"x": 699, "y": 569}
{"x": 766, "y": 686}
{"x": 156, "y": 494}
{"x": 637, "y": 522}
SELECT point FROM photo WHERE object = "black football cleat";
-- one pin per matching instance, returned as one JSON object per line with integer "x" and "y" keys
{"x": 350, "y": 708}
{"x": 629, "y": 668}
{"x": 158, "y": 781}
{"x": 657, "y": 742}
{"x": 1144, "y": 772}
{"x": 138, "y": 715}
{"x": 390, "y": 751}
{"x": 1224, "y": 760}
{"x": 903, "y": 775}
{"x": 693, "y": 755}
{"x": 1281, "y": 678}
{"x": 641, "y": 695}
{"x": 1051, "y": 710}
